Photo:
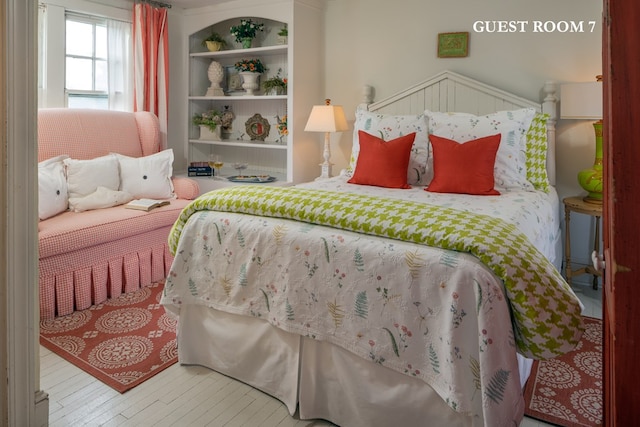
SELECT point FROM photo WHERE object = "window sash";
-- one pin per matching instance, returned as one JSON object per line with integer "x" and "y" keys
{"x": 97, "y": 63}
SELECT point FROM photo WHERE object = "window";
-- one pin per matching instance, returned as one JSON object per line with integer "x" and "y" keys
{"x": 86, "y": 62}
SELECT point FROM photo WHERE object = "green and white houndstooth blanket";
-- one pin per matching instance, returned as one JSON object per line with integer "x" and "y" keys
{"x": 545, "y": 312}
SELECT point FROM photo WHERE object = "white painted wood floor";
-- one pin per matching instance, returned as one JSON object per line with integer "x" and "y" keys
{"x": 182, "y": 396}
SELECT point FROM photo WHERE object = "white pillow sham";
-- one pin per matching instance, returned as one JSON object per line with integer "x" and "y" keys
{"x": 147, "y": 177}
{"x": 510, "y": 171}
{"x": 85, "y": 176}
{"x": 388, "y": 127}
{"x": 52, "y": 187}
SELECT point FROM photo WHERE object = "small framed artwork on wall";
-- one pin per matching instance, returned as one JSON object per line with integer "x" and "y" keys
{"x": 453, "y": 45}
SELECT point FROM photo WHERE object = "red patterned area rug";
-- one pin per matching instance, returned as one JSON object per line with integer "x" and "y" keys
{"x": 567, "y": 391}
{"x": 122, "y": 342}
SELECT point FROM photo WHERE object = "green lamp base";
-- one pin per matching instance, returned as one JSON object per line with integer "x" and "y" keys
{"x": 591, "y": 179}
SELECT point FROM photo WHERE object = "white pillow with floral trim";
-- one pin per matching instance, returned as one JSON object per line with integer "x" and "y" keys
{"x": 510, "y": 170}
{"x": 388, "y": 127}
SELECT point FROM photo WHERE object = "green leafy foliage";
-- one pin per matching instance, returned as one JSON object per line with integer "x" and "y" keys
{"x": 242, "y": 279}
{"x": 394, "y": 344}
{"x": 362, "y": 305}
{"x": 497, "y": 385}
{"x": 193, "y": 288}
{"x": 266, "y": 299}
{"x": 433, "y": 358}
{"x": 358, "y": 260}
{"x": 290, "y": 313}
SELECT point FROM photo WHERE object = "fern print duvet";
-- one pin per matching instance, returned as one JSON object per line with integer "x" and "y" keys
{"x": 363, "y": 273}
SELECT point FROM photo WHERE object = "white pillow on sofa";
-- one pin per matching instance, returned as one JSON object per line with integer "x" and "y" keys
{"x": 147, "y": 177}
{"x": 101, "y": 198}
{"x": 85, "y": 176}
{"x": 52, "y": 187}
{"x": 510, "y": 171}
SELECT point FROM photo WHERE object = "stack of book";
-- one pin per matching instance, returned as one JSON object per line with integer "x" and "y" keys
{"x": 199, "y": 169}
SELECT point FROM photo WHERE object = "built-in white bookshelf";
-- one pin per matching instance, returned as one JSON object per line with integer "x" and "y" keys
{"x": 292, "y": 157}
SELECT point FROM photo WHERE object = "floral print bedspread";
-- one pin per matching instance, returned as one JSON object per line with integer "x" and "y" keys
{"x": 439, "y": 315}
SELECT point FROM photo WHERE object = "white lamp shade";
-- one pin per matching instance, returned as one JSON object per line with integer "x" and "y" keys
{"x": 326, "y": 118}
{"x": 581, "y": 100}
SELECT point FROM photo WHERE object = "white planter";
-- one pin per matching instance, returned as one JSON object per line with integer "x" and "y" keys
{"x": 250, "y": 82}
{"x": 207, "y": 135}
{"x": 276, "y": 91}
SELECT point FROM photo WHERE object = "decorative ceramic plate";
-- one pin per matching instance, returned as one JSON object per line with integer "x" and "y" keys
{"x": 257, "y": 127}
{"x": 253, "y": 179}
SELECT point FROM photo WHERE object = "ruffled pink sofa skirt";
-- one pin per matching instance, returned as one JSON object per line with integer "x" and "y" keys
{"x": 104, "y": 258}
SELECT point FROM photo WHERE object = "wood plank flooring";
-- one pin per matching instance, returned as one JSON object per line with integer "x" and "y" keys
{"x": 182, "y": 396}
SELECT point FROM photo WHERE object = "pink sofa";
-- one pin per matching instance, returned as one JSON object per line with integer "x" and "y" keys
{"x": 90, "y": 256}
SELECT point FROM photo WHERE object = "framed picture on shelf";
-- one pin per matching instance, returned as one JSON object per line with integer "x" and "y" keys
{"x": 257, "y": 127}
{"x": 234, "y": 81}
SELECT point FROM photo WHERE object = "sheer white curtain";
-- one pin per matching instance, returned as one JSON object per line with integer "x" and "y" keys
{"x": 42, "y": 19}
{"x": 119, "y": 45}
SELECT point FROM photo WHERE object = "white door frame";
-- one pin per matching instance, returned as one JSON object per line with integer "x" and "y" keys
{"x": 21, "y": 401}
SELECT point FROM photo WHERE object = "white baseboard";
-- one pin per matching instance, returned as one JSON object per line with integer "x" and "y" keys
{"x": 42, "y": 408}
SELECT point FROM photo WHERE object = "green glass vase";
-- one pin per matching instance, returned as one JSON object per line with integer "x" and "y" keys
{"x": 591, "y": 179}
{"x": 246, "y": 42}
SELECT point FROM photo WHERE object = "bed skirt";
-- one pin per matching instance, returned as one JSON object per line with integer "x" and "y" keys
{"x": 79, "y": 279}
{"x": 326, "y": 381}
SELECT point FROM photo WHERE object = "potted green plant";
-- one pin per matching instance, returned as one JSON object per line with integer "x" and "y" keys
{"x": 250, "y": 66}
{"x": 276, "y": 85}
{"x": 283, "y": 35}
{"x": 246, "y": 31}
{"x": 211, "y": 122}
{"x": 250, "y": 70}
{"x": 282, "y": 127}
{"x": 214, "y": 42}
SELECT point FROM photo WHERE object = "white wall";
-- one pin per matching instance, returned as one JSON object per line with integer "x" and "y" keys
{"x": 392, "y": 45}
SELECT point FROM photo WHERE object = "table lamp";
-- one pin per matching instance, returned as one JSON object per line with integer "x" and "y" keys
{"x": 583, "y": 101}
{"x": 326, "y": 118}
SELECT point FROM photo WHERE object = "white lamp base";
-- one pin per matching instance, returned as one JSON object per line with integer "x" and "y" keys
{"x": 325, "y": 167}
{"x": 325, "y": 171}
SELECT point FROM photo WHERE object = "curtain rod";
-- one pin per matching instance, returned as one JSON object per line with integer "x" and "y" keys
{"x": 156, "y": 3}
{"x": 151, "y": 2}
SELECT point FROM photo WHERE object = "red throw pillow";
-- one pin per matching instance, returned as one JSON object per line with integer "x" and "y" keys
{"x": 464, "y": 168}
{"x": 383, "y": 164}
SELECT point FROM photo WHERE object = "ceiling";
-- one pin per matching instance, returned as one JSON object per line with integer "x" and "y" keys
{"x": 187, "y": 4}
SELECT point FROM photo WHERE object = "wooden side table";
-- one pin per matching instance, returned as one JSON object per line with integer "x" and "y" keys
{"x": 577, "y": 204}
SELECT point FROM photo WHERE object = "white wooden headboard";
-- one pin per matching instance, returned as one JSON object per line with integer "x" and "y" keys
{"x": 452, "y": 92}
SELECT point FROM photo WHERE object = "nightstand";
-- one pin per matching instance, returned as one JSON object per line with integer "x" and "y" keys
{"x": 577, "y": 204}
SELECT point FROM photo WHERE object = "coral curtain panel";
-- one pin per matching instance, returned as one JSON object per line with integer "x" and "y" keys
{"x": 151, "y": 62}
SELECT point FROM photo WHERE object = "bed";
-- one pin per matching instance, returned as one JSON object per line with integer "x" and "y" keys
{"x": 373, "y": 306}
